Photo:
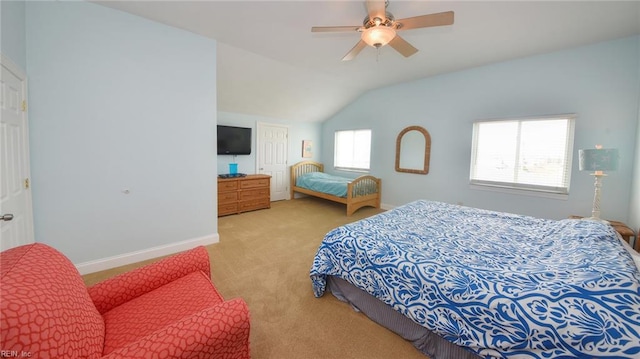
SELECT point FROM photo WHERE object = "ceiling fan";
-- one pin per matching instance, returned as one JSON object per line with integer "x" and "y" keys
{"x": 380, "y": 28}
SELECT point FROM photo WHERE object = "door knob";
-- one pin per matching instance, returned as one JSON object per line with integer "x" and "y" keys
{"x": 6, "y": 217}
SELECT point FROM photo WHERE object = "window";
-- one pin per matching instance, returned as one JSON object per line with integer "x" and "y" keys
{"x": 531, "y": 154}
{"x": 352, "y": 150}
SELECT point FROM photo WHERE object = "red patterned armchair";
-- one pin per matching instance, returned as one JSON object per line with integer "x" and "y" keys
{"x": 168, "y": 309}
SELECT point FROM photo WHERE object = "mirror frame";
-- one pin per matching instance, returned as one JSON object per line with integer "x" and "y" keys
{"x": 427, "y": 150}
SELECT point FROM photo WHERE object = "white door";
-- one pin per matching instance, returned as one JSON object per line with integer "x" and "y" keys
{"x": 271, "y": 157}
{"x": 16, "y": 216}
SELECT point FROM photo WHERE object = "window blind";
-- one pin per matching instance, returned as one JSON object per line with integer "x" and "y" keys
{"x": 532, "y": 154}
{"x": 352, "y": 150}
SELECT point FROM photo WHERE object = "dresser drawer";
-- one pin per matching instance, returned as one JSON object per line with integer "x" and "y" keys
{"x": 259, "y": 193}
{"x": 254, "y": 204}
{"x": 229, "y": 208}
{"x": 227, "y": 197}
{"x": 253, "y": 183}
{"x": 227, "y": 186}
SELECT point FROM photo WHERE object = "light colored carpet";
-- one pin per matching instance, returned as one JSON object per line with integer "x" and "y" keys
{"x": 264, "y": 257}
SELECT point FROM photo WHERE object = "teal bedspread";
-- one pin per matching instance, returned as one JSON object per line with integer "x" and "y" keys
{"x": 325, "y": 183}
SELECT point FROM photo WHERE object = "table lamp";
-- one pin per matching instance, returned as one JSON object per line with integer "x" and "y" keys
{"x": 598, "y": 160}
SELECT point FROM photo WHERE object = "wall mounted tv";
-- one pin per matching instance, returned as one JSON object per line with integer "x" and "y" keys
{"x": 234, "y": 140}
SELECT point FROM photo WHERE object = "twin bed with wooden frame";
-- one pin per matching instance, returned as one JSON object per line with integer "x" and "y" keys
{"x": 362, "y": 191}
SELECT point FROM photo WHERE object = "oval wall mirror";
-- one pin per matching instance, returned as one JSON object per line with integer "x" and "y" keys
{"x": 413, "y": 149}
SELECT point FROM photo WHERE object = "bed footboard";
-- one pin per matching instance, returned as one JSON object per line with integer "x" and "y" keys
{"x": 363, "y": 191}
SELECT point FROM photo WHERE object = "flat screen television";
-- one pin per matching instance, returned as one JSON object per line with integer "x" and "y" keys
{"x": 234, "y": 140}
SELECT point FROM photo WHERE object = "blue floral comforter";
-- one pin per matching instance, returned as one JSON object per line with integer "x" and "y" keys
{"x": 502, "y": 285}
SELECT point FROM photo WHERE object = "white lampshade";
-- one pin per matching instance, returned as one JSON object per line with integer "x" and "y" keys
{"x": 378, "y": 36}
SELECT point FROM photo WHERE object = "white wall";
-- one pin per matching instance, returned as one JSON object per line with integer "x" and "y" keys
{"x": 119, "y": 103}
{"x": 298, "y": 131}
{"x": 599, "y": 83}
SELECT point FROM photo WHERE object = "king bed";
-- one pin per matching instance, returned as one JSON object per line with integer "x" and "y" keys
{"x": 462, "y": 282}
{"x": 308, "y": 177}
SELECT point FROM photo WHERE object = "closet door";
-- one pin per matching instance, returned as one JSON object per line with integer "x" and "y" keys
{"x": 272, "y": 158}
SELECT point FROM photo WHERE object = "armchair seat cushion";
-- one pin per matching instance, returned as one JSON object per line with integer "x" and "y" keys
{"x": 176, "y": 300}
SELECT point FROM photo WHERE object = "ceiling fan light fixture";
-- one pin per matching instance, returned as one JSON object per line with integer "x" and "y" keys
{"x": 378, "y": 36}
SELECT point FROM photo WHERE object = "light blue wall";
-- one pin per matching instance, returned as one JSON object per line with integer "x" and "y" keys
{"x": 599, "y": 83}
{"x": 118, "y": 102}
{"x": 634, "y": 208}
{"x": 298, "y": 131}
{"x": 13, "y": 32}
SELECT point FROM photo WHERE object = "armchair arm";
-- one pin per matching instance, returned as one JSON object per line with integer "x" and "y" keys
{"x": 221, "y": 331}
{"x": 122, "y": 288}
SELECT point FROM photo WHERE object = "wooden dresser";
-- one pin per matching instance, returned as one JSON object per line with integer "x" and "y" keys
{"x": 242, "y": 194}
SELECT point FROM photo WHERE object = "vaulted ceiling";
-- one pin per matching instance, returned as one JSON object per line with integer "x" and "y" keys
{"x": 270, "y": 63}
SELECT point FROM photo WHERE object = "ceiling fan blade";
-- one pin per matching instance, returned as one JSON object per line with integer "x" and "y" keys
{"x": 355, "y": 51}
{"x": 334, "y": 28}
{"x": 402, "y": 46}
{"x": 376, "y": 8}
{"x": 439, "y": 19}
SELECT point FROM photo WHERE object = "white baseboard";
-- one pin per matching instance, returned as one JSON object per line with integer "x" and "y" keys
{"x": 387, "y": 206}
{"x": 143, "y": 255}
